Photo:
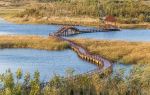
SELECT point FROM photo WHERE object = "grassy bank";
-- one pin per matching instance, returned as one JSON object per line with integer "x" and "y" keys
{"x": 8, "y": 12}
{"x": 57, "y": 20}
{"x": 73, "y": 13}
{"x": 124, "y": 52}
{"x": 83, "y": 21}
{"x": 32, "y": 42}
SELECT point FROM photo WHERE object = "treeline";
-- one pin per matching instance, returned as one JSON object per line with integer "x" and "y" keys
{"x": 137, "y": 83}
{"x": 127, "y": 11}
{"x": 62, "y": 8}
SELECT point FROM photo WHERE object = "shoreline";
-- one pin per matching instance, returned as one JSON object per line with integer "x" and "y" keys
{"x": 75, "y": 21}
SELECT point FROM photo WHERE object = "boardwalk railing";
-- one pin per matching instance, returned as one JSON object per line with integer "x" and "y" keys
{"x": 70, "y": 30}
{"x": 101, "y": 62}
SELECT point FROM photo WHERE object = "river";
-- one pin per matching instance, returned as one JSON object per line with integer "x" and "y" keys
{"x": 50, "y": 62}
{"x": 7, "y": 28}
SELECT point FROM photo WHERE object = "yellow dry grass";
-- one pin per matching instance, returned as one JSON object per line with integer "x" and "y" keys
{"x": 55, "y": 13}
{"x": 55, "y": 20}
{"x": 34, "y": 42}
{"x": 124, "y": 52}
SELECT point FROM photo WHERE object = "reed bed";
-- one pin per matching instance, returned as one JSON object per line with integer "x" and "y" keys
{"x": 34, "y": 42}
{"x": 124, "y": 52}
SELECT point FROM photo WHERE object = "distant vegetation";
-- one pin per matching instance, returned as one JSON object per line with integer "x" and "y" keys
{"x": 32, "y": 42}
{"x": 138, "y": 83}
{"x": 127, "y": 11}
{"x": 124, "y": 52}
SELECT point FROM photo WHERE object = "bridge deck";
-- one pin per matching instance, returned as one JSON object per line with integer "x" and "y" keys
{"x": 70, "y": 30}
{"x": 101, "y": 62}
{"x": 84, "y": 54}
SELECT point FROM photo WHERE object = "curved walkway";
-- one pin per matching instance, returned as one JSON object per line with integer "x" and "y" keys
{"x": 71, "y": 30}
{"x": 101, "y": 62}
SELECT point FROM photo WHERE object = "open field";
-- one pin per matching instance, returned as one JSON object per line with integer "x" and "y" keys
{"x": 55, "y": 20}
{"x": 124, "y": 52}
{"x": 8, "y": 12}
{"x": 34, "y": 42}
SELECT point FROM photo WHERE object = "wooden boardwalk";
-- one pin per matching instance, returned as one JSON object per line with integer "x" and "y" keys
{"x": 101, "y": 62}
{"x": 71, "y": 30}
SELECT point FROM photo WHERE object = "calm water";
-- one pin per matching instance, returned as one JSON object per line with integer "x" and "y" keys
{"x": 124, "y": 34}
{"x": 7, "y": 28}
{"x": 47, "y": 63}
{"x": 50, "y": 62}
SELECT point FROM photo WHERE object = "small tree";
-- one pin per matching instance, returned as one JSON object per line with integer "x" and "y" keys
{"x": 35, "y": 84}
{"x": 70, "y": 71}
{"x": 26, "y": 78}
{"x": 8, "y": 81}
{"x": 141, "y": 18}
{"x": 19, "y": 74}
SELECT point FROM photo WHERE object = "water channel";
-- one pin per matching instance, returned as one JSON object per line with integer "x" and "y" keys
{"x": 49, "y": 63}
